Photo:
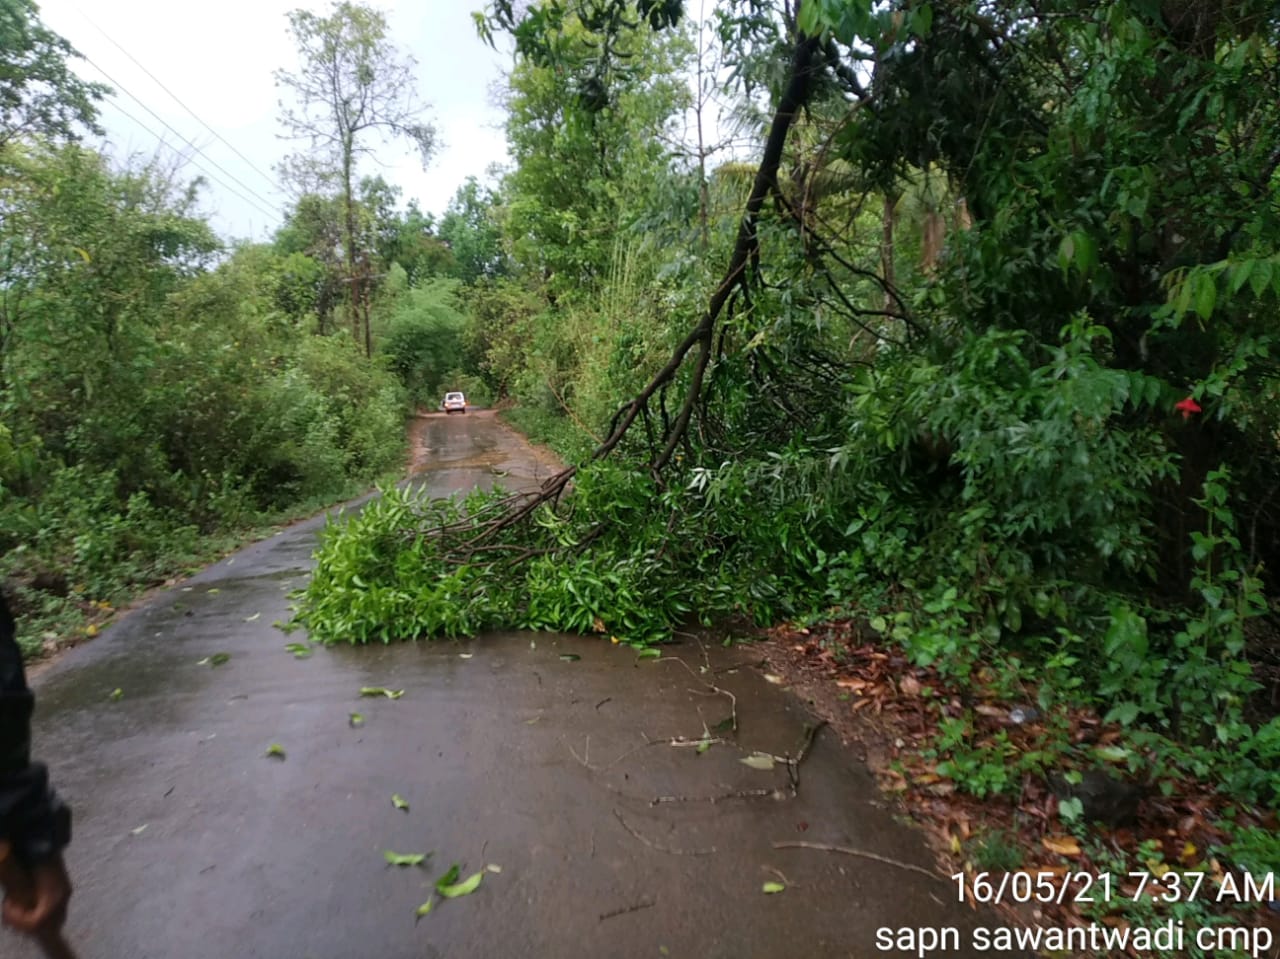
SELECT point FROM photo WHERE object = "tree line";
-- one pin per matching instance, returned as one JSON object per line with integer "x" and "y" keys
{"x": 973, "y": 342}
{"x": 163, "y": 389}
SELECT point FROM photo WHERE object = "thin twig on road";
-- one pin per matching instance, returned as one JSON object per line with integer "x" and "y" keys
{"x": 642, "y": 904}
{"x": 860, "y": 853}
{"x": 653, "y": 845}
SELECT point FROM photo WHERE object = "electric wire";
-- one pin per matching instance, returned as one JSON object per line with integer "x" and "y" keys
{"x": 123, "y": 89}
{"x": 187, "y": 159}
{"x": 266, "y": 176}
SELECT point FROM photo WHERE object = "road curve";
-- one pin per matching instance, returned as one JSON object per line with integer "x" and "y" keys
{"x": 563, "y": 761}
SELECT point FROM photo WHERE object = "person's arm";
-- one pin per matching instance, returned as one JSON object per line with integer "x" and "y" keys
{"x": 32, "y": 818}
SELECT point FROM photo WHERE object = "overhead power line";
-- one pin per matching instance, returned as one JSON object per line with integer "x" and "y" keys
{"x": 120, "y": 86}
{"x": 266, "y": 176}
{"x": 161, "y": 140}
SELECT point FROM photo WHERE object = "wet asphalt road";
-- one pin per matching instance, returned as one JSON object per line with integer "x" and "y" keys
{"x": 192, "y": 844}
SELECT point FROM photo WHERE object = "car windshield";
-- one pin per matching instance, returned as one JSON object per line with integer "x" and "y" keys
{"x": 451, "y": 397}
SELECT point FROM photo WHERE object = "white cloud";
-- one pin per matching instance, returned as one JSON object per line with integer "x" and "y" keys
{"x": 220, "y": 60}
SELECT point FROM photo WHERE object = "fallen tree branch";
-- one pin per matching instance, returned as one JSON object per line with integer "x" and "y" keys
{"x": 761, "y": 793}
{"x": 642, "y": 904}
{"x": 860, "y": 853}
{"x": 660, "y": 848}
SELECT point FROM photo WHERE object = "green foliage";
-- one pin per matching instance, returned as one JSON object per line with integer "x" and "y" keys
{"x": 471, "y": 229}
{"x": 425, "y": 340}
{"x": 996, "y": 851}
{"x": 351, "y": 82}
{"x": 998, "y": 372}
{"x": 153, "y": 404}
{"x": 40, "y": 96}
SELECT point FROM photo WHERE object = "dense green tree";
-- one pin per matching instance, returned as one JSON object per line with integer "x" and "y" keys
{"x": 351, "y": 85}
{"x": 588, "y": 153}
{"x": 39, "y": 94}
{"x": 471, "y": 228}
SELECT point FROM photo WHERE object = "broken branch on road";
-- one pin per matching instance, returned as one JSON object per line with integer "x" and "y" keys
{"x": 860, "y": 853}
{"x": 661, "y": 848}
{"x": 642, "y": 904}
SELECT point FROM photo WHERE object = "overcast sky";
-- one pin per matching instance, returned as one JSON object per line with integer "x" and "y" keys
{"x": 218, "y": 59}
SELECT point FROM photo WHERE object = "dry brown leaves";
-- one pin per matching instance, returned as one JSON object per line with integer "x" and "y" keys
{"x": 871, "y": 694}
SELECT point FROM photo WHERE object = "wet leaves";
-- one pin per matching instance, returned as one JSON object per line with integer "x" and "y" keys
{"x": 116, "y": 695}
{"x": 649, "y": 653}
{"x": 898, "y": 710}
{"x": 381, "y": 691}
{"x": 217, "y": 659}
{"x": 404, "y": 858}
{"x": 1062, "y": 845}
{"x": 570, "y": 657}
{"x": 250, "y": 619}
{"x": 450, "y": 888}
{"x": 761, "y": 761}
{"x": 770, "y": 888}
{"x": 355, "y": 720}
{"x": 275, "y": 751}
{"x": 299, "y": 650}
{"x": 399, "y": 802}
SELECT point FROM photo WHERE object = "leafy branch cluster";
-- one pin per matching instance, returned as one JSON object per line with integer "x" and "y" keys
{"x": 991, "y": 356}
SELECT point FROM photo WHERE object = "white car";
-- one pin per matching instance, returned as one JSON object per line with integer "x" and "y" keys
{"x": 455, "y": 402}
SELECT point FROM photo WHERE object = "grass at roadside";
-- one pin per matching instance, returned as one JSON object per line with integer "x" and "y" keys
{"x": 569, "y": 441}
{"x": 51, "y": 620}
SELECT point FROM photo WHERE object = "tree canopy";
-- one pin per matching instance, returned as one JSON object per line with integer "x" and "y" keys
{"x": 984, "y": 359}
{"x": 39, "y": 94}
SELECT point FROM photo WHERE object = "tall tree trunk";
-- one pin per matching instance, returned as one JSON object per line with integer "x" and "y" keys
{"x": 699, "y": 104}
{"x": 365, "y": 291}
{"x": 886, "y": 246}
{"x": 349, "y": 242}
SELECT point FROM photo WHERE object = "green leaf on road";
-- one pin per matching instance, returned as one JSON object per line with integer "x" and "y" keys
{"x": 399, "y": 802}
{"x": 464, "y": 888}
{"x": 355, "y": 720}
{"x": 703, "y": 746}
{"x": 250, "y": 619}
{"x": 217, "y": 659}
{"x": 649, "y": 653}
{"x": 276, "y": 751}
{"x": 424, "y": 908}
{"x": 116, "y": 695}
{"x": 299, "y": 650}
{"x": 381, "y": 691}
{"x": 570, "y": 657}
{"x": 772, "y": 887}
{"x": 758, "y": 761}
{"x": 405, "y": 859}
{"x": 492, "y": 868}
